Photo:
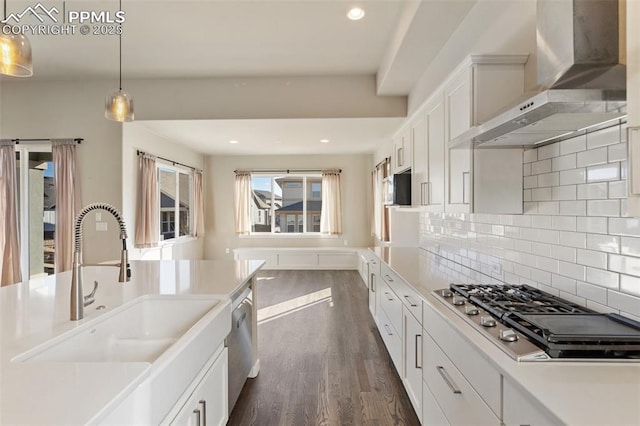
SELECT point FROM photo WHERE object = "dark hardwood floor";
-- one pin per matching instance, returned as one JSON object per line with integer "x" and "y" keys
{"x": 322, "y": 359}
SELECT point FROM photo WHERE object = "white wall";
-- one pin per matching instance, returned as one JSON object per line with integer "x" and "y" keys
{"x": 492, "y": 26}
{"x": 137, "y": 137}
{"x": 219, "y": 190}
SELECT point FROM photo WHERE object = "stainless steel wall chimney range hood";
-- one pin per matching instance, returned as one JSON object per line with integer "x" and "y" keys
{"x": 580, "y": 79}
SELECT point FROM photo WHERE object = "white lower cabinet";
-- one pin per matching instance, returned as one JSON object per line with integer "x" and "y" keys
{"x": 363, "y": 269}
{"x": 412, "y": 373}
{"x": 432, "y": 415}
{"x": 206, "y": 404}
{"x": 519, "y": 410}
{"x": 374, "y": 294}
{"x": 391, "y": 338}
{"x": 459, "y": 402}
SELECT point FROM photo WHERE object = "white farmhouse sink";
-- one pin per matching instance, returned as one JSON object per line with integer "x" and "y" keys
{"x": 139, "y": 331}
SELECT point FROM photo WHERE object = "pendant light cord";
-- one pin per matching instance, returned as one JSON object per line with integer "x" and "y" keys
{"x": 120, "y": 41}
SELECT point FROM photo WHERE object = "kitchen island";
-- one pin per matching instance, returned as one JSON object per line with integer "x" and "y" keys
{"x": 37, "y": 311}
{"x": 564, "y": 392}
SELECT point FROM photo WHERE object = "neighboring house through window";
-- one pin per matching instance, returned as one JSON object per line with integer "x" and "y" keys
{"x": 286, "y": 203}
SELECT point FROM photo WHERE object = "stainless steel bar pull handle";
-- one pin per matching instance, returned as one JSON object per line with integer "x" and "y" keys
{"x": 418, "y": 336}
{"x": 386, "y": 326}
{"x": 389, "y": 278}
{"x": 203, "y": 404}
{"x": 198, "y": 417}
{"x": 373, "y": 282}
{"x": 412, "y": 302}
{"x": 425, "y": 193}
{"x": 447, "y": 379}
{"x": 390, "y": 299}
{"x": 466, "y": 182}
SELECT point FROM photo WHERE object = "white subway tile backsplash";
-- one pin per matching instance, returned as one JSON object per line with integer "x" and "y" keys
{"x": 630, "y": 246}
{"x": 618, "y": 189}
{"x": 573, "y": 176}
{"x": 565, "y": 162}
{"x": 548, "y": 179}
{"x": 573, "y": 239}
{"x": 548, "y": 151}
{"x": 541, "y": 194}
{"x": 563, "y": 284}
{"x": 549, "y": 207}
{"x": 604, "y": 172}
{"x": 566, "y": 254}
{"x": 603, "y": 137}
{"x": 530, "y": 155}
{"x": 564, "y": 243}
{"x": 592, "y": 191}
{"x": 592, "y": 292}
{"x": 564, "y": 193}
{"x": 563, "y": 223}
{"x": 541, "y": 221}
{"x": 573, "y": 145}
{"x": 540, "y": 167}
{"x": 624, "y": 169}
{"x": 595, "y": 259}
{"x": 625, "y": 226}
{"x": 530, "y": 182}
{"x": 573, "y": 208}
{"x": 603, "y": 207}
{"x": 618, "y": 152}
{"x": 603, "y": 278}
{"x": 606, "y": 243}
{"x": 624, "y": 264}
{"x": 591, "y": 157}
{"x": 630, "y": 285}
{"x": 594, "y": 225}
{"x": 623, "y": 302}
{"x": 601, "y": 308}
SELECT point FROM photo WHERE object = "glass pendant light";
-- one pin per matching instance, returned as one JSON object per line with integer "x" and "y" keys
{"x": 15, "y": 52}
{"x": 119, "y": 104}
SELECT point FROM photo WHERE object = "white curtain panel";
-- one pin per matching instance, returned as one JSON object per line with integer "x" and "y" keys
{"x": 242, "y": 198}
{"x": 148, "y": 209}
{"x": 198, "y": 205}
{"x": 331, "y": 214}
{"x": 67, "y": 183}
{"x": 10, "y": 261}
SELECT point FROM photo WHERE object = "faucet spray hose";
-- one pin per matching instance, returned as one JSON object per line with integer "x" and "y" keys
{"x": 98, "y": 206}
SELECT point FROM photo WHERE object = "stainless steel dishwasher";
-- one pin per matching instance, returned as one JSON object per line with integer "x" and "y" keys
{"x": 239, "y": 342}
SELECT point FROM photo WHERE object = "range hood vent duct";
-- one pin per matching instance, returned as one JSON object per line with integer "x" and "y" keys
{"x": 581, "y": 82}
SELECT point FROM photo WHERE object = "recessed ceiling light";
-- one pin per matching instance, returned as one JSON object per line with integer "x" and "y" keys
{"x": 355, "y": 14}
{"x": 234, "y": 142}
{"x": 324, "y": 140}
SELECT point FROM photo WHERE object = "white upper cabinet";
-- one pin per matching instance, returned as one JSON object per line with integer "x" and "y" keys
{"x": 481, "y": 87}
{"x": 419, "y": 169}
{"x": 402, "y": 158}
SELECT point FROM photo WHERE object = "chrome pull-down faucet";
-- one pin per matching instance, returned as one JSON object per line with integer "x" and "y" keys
{"x": 78, "y": 301}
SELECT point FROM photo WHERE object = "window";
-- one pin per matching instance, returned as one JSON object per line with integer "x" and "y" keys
{"x": 286, "y": 203}
{"x": 37, "y": 209}
{"x": 175, "y": 202}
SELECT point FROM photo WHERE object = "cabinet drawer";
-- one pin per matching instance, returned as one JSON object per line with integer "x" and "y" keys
{"x": 392, "y": 340}
{"x": 374, "y": 262}
{"x": 458, "y": 400}
{"x": 407, "y": 295}
{"x": 482, "y": 375}
{"x": 432, "y": 415}
{"x": 391, "y": 305}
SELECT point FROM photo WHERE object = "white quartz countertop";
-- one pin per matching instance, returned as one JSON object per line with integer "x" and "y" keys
{"x": 577, "y": 393}
{"x": 36, "y": 311}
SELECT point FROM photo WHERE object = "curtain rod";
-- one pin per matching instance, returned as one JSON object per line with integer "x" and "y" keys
{"x": 288, "y": 171}
{"x": 18, "y": 140}
{"x": 138, "y": 152}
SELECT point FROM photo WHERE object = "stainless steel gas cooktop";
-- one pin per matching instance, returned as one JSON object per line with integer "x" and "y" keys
{"x": 532, "y": 325}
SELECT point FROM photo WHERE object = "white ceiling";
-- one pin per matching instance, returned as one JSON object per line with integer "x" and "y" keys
{"x": 277, "y": 137}
{"x": 396, "y": 40}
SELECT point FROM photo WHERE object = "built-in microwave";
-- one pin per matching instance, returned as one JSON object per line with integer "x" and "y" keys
{"x": 397, "y": 189}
